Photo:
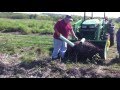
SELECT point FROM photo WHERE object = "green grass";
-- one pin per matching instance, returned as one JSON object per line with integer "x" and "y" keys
{"x": 26, "y": 26}
{"x": 29, "y": 46}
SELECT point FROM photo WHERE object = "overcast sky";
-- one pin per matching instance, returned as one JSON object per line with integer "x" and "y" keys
{"x": 95, "y": 14}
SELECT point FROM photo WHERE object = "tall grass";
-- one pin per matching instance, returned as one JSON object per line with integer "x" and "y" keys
{"x": 26, "y": 26}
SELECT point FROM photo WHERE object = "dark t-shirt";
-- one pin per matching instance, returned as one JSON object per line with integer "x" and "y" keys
{"x": 118, "y": 40}
{"x": 118, "y": 37}
{"x": 62, "y": 28}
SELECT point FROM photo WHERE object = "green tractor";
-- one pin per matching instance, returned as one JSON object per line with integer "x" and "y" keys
{"x": 99, "y": 32}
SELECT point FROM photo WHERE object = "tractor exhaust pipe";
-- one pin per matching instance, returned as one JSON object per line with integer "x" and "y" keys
{"x": 84, "y": 16}
{"x": 104, "y": 15}
{"x": 92, "y": 15}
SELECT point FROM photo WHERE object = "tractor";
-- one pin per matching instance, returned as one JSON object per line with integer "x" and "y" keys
{"x": 99, "y": 32}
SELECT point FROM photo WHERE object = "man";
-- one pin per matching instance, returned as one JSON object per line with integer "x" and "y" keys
{"x": 63, "y": 27}
{"x": 105, "y": 20}
{"x": 118, "y": 41}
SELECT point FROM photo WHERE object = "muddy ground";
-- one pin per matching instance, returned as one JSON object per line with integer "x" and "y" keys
{"x": 12, "y": 67}
{"x": 48, "y": 69}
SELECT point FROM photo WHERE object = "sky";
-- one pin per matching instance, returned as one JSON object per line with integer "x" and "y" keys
{"x": 95, "y": 14}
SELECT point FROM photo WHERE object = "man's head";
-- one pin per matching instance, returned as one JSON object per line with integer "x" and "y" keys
{"x": 68, "y": 19}
{"x": 106, "y": 18}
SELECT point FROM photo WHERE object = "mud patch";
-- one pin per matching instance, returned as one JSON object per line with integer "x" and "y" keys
{"x": 53, "y": 69}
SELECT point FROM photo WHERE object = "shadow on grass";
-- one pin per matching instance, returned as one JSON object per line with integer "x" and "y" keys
{"x": 85, "y": 61}
{"x": 113, "y": 61}
{"x": 51, "y": 50}
{"x": 43, "y": 63}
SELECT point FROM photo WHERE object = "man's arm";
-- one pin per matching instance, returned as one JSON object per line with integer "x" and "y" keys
{"x": 56, "y": 28}
{"x": 73, "y": 34}
{"x": 57, "y": 31}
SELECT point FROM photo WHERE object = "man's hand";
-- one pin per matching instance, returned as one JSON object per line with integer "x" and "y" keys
{"x": 73, "y": 34}
{"x": 76, "y": 38}
{"x": 58, "y": 33}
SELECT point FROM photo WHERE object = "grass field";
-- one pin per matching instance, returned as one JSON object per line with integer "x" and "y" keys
{"x": 29, "y": 46}
{"x": 37, "y": 41}
{"x": 38, "y": 47}
{"x": 38, "y": 36}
